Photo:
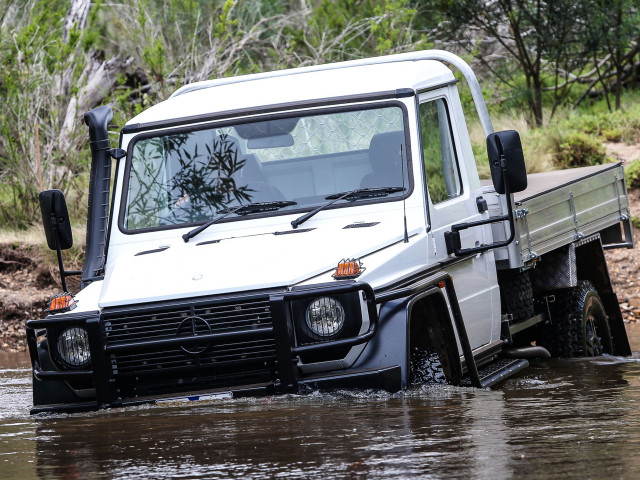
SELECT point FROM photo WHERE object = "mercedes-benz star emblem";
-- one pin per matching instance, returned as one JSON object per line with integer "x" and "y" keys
{"x": 192, "y": 327}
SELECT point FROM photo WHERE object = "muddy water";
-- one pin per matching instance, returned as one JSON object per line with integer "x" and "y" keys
{"x": 569, "y": 419}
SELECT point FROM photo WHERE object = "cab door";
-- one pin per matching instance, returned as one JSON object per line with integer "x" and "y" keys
{"x": 452, "y": 187}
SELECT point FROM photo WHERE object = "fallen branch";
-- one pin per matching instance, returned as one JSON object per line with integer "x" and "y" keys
{"x": 11, "y": 262}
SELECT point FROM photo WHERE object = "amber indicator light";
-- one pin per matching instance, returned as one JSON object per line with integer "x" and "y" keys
{"x": 62, "y": 302}
{"x": 347, "y": 269}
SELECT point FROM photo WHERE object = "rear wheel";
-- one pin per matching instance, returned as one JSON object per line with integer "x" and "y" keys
{"x": 594, "y": 338}
{"x": 516, "y": 294}
{"x": 579, "y": 324}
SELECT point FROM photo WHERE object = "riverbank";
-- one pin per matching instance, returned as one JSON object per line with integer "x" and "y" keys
{"x": 26, "y": 283}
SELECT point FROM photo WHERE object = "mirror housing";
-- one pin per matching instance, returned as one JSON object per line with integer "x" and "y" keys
{"x": 506, "y": 147}
{"x": 57, "y": 228}
{"x": 55, "y": 218}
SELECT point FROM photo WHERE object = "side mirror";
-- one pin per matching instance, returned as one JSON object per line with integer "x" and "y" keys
{"x": 509, "y": 176}
{"x": 55, "y": 219}
{"x": 505, "y": 147}
{"x": 57, "y": 228}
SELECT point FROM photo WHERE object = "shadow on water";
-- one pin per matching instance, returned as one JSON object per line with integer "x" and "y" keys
{"x": 558, "y": 419}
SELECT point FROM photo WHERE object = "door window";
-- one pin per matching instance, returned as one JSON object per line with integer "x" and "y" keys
{"x": 440, "y": 164}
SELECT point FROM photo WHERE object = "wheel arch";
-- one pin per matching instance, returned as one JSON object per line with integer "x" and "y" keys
{"x": 430, "y": 326}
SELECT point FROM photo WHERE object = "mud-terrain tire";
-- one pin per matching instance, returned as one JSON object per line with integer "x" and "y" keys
{"x": 516, "y": 294}
{"x": 425, "y": 367}
{"x": 579, "y": 326}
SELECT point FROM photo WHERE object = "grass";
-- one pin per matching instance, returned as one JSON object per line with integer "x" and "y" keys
{"x": 34, "y": 237}
{"x": 632, "y": 174}
{"x": 573, "y": 138}
{"x": 536, "y": 161}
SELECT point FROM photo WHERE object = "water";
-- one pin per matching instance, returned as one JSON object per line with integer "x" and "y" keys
{"x": 561, "y": 419}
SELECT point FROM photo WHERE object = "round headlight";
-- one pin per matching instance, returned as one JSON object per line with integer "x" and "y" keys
{"x": 73, "y": 347}
{"x": 325, "y": 316}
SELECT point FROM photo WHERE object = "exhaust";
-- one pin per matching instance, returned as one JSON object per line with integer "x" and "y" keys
{"x": 97, "y": 120}
{"x": 529, "y": 351}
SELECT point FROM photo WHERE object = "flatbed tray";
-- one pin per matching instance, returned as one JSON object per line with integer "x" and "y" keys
{"x": 561, "y": 207}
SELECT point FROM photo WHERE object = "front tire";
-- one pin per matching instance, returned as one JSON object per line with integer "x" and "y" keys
{"x": 425, "y": 367}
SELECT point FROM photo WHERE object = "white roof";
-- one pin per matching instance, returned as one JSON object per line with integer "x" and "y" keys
{"x": 299, "y": 85}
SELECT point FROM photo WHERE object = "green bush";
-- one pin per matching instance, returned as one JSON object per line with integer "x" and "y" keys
{"x": 632, "y": 173}
{"x": 580, "y": 150}
{"x": 616, "y": 126}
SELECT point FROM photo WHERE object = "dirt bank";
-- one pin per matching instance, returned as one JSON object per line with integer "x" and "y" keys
{"x": 26, "y": 284}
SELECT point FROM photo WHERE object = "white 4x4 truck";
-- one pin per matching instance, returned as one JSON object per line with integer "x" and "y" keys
{"x": 322, "y": 227}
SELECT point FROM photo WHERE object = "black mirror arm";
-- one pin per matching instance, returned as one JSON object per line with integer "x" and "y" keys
{"x": 54, "y": 227}
{"x": 452, "y": 238}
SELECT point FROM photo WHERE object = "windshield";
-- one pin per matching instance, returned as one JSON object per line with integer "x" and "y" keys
{"x": 188, "y": 176}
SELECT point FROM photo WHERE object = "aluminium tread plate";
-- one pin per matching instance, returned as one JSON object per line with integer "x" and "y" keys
{"x": 544, "y": 182}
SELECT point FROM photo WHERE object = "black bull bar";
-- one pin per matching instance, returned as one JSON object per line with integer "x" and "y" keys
{"x": 282, "y": 330}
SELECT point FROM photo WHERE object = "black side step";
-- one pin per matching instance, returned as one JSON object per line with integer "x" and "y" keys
{"x": 498, "y": 371}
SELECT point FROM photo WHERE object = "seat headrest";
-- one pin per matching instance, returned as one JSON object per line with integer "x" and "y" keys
{"x": 384, "y": 150}
{"x": 384, "y": 154}
{"x": 251, "y": 171}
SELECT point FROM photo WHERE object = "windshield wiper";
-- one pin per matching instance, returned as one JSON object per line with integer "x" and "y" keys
{"x": 350, "y": 195}
{"x": 365, "y": 193}
{"x": 254, "y": 207}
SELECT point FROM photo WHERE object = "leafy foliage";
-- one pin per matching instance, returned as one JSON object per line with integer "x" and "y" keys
{"x": 580, "y": 150}
{"x": 543, "y": 56}
{"x": 35, "y": 86}
{"x": 547, "y": 53}
{"x": 42, "y": 137}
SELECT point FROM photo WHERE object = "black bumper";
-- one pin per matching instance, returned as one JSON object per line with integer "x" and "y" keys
{"x": 388, "y": 379}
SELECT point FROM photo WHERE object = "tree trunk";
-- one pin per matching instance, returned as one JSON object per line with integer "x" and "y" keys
{"x": 76, "y": 17}
{"x": 619, "y": 74}
{"x": 534, "y": 97}
{"x": 537, "y": 102}
{"x": 99, "y": 78}
{"x": 96, "y": 81}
